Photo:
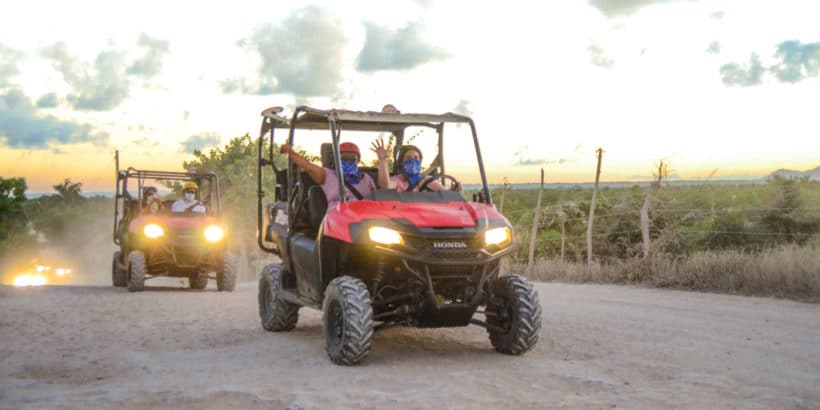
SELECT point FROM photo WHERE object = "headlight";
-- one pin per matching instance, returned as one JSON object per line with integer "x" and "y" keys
{"x": 384, "y": 236}
{"x": 153, "y": 231}
{"x": 497, "y": 236}
{"x": 214, "y": 233}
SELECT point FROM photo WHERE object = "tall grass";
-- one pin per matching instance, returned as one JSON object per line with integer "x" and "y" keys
{"x": 786, "y": 271}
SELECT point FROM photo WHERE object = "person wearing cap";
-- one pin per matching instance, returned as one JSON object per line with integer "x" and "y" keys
{"x": 359, "y": 185}
{"x": 151, "y": 203}
{"x": 188, "y": 203}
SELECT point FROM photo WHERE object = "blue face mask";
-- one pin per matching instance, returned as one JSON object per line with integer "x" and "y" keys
{"x": 412, "y": 167}
{"x": 350, "y": 171}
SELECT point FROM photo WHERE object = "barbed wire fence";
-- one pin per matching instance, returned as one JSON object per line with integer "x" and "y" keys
{"x": 556, "y": 216}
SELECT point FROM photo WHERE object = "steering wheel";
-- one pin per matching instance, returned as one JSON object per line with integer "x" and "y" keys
{"x": 425, "y": 186}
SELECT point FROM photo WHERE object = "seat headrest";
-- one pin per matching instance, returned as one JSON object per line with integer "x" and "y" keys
{"x": 326, "y": 152}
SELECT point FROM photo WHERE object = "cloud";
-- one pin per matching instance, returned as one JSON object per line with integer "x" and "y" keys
{"x": 402, "y": 49}
{"x": 8, "y": 63}
{"x": 199, "y": 141}
{"x": 103, "y": 85}
{"x": 714, "y": 48}
{"x": 302, "y": 56}
{"x": 798, "y": 61}
{"x": 151, "y": 62}
{"x": 101, "y": 88}
{"x": 521, "y": 158}
{"x": 463, "y": 108}
{"x": 736, "y": 75}
{"x": 598, "y": 58}
{"x": 21, "y": 127}
{"x": 616, "y": 8}
{"x": 145, "y": 142}
{"x": 47, "y": 101}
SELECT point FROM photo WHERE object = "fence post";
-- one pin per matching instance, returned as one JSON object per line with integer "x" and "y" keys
{"x": 645, "y": 245}
{"x": 503, "y": 193}
{"x": 536, "y": 217}
{"x": 600, "y": 152}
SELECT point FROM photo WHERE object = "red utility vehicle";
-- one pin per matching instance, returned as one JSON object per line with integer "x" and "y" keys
{"x": 421, "y": 259}
{"x": 188, "y": 244}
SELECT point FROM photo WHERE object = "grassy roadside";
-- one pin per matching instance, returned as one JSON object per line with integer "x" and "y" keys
{"x": 788, "y": 271}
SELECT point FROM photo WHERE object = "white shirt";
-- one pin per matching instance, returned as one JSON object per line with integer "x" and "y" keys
{"x": 181, "y": 206}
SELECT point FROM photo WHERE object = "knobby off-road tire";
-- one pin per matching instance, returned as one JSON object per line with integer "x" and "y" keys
{"x": 119, "y": 275}
{"x": 198, "y": 282}
{"x": 520, "y": 316}
{"x": 226, "y": 277}
{"x": 277, "y": 314}
{"x": 347, "y": 319}
{"x": 136, "y": 271}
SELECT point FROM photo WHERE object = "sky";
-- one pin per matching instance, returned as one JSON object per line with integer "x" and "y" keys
{"x": 721, "y": 87}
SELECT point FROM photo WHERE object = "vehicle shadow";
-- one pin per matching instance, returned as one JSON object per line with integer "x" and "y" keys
{"x": 400, "y": 344}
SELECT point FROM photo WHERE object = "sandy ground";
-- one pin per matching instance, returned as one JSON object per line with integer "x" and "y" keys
{"x": 600, "y": 347}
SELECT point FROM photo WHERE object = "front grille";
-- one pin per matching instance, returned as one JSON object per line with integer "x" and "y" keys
{"x": 430, "y": 244}
{"x": 187, "y": 237}
{"x": 446, "y": 247}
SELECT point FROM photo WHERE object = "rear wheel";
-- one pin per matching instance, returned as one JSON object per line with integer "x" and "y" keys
{"x": 347, "y": 320}
{"x": 136, "y": 271}
{"x": 277, "y": 314}
{"x": 517, "y": 315}
{"x": 198, "y": 282}
{"x": 119, "y": 275}
{"x": 226, "y": 277}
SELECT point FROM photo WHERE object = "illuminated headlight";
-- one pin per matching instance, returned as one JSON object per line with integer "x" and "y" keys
{"x": 153, "y": 231}
{"x": 497, "y": 236}
{"x": 61, "y": 271}
{"x": 214, "y": 233}
{"x": 384, "y": 236}
{"x": 29, "y": 280}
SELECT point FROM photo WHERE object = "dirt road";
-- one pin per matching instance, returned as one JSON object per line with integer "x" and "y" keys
{"x": 600, "y": 347}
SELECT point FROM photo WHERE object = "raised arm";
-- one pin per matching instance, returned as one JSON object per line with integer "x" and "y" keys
{"x": 384, "y": 173}
{"x": 316, "y": 172}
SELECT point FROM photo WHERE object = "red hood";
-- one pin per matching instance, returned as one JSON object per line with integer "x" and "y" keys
{"x": 173, "y": 222}
{"x": 449, "y": 215}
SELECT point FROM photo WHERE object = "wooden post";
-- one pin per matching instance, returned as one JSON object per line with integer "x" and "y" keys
{"x": 646, "y": 242}
{"x": 563, "y": 238}
{"x": 503, "y": 192}
{"x": 645, "y": 245}
{"x": 600, "y": 152}
{"x": 536, "y": 217}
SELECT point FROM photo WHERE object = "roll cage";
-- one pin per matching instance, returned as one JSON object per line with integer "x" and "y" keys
{"x": 335, "y": 120}
{"x": 125, "y": 200}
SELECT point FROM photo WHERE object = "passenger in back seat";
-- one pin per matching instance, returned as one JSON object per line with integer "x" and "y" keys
{"x": 359, "y": 185}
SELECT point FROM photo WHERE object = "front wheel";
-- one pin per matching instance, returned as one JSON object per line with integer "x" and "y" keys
{"x": 136, "y": 271}
{"x": 226, "y": 277}
{"x": 119, "y": 275}
{"x": 277, "y": 314}
{"x": 347, "y": 319}
{"x": 516, "y": 317}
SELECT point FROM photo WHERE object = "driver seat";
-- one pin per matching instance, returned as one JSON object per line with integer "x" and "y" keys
{"x": 317, "y": 207}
